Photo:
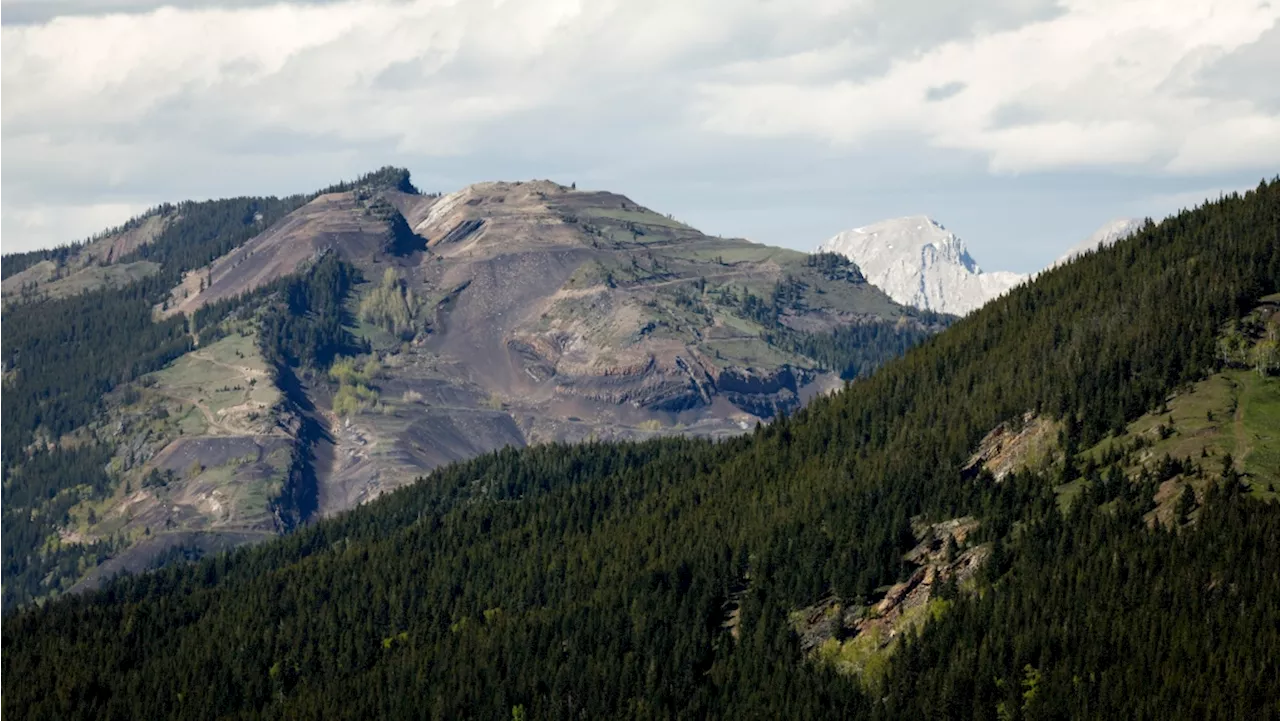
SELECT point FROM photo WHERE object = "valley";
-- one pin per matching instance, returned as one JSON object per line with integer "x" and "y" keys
{"x": 428, "y": 360}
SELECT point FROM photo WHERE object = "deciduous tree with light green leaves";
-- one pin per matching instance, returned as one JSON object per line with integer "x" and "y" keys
{"x": 1266, "y": 357}
{"x": 393, "y": 306}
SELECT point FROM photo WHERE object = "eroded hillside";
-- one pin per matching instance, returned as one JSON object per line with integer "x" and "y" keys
{"x": 516, "y": 313}
{"x": 503, "y": 314}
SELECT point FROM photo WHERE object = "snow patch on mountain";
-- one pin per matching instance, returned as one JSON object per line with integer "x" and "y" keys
{"x": 916, "y": 261}
{"x": 1107, "y": 235}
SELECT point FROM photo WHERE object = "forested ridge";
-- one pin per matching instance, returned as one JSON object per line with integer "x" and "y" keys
{"x": 593, "y": 581}
{"x": 1098, "y": 616}
{"x": 63, "y": 356}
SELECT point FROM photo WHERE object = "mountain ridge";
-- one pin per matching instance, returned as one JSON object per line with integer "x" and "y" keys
{"x": 378, "y": 332}
{"x": 919, "y": 262}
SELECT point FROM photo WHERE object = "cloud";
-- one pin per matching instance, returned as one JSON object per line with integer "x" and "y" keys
{"x": 28, "y": 12}
{"x": 69, "y": 222}
{"x": 1104, "y": 84}
{"x": 427, "y": 75}
{"x": 942, "y": 92}
{"x": 132, "y": 102}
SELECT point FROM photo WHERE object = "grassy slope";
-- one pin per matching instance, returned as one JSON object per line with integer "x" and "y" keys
{"x": 79, "y": 281}
{"x": 219, "y": 391}
{"x": 1202, "y": 427}
{"x": 1235, "y": 412}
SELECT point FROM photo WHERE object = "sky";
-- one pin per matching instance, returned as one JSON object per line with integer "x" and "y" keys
{"x": 1021, "y": 125}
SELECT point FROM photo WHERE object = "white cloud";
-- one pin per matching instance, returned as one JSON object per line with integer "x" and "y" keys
{"x": 1244, "y": 140}
{"x": 426, "y": 74}
{"x": 69, "y": 223}
{"x": 216, "y": 97}
{"x": 1104, "y": 84}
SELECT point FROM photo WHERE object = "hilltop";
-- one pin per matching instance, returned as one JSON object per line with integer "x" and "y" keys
{"x": 533, "y": 312}
{"x": 288, "y": 359}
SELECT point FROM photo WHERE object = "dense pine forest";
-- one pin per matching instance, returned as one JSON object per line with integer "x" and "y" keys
{"x": 597, "y": 581}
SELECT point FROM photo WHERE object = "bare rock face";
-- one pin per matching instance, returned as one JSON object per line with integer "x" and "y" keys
{"x": 547, "y": 314}
{"x": 943, "y": 556}
{"x": 1012, "y": 445}
{"x": 764, "y": 393}
{"x": 919, "y": 262}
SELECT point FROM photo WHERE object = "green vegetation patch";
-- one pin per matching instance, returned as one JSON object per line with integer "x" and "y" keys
{"x": 1067, "y": 493}
{"x": 589, "y": 275}
{"x": 1259, "y": 432}
{"x": 394, "y": 307}
{"x": 867, "y": 654}
{"x": 356, "y": 389}
{"x": 226, "y": 374}
{"x": 726, "y": 253}
{"x": 1234, "y": 413}
{"x": 644, "y": 217}
{"x": 753, "y": 352}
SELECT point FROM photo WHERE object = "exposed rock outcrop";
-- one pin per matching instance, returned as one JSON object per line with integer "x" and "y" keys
{"x": 1013, "y": 445}
{"x": 940, "y": 557}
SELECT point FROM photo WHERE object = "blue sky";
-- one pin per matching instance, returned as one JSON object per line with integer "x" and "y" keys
{"x": 1022, "y": 125}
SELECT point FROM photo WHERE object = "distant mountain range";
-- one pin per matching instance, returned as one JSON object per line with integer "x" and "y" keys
{"x": 226, "y": 370}
{"x": 918, "y": 262}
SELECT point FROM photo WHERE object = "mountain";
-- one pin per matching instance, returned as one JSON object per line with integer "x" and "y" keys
{"x": 222, "y": 372}
{"x": 533, "y": 312}
{"x": 920, "y": 263}
{"x": 1032, "y": 514}
{"x": 73, "y": 270}
{"x": 1103, "y": 237}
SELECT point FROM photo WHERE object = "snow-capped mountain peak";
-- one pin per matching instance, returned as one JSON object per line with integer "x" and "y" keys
{"x": 917, "y": 261}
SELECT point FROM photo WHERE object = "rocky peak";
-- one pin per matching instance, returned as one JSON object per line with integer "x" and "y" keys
{"x": 917, "y": 261}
